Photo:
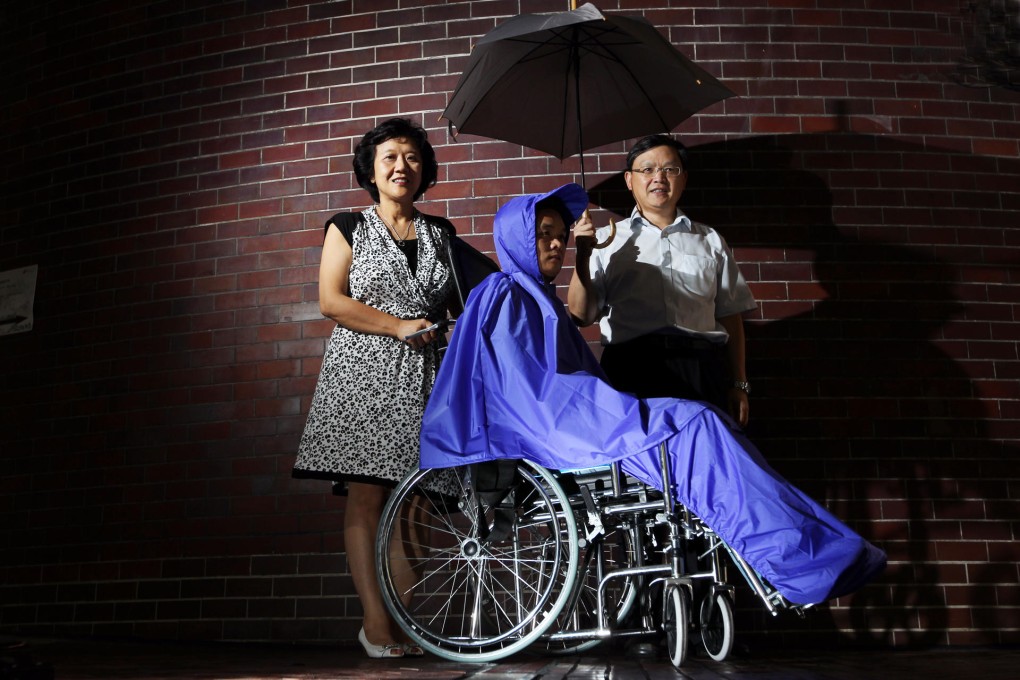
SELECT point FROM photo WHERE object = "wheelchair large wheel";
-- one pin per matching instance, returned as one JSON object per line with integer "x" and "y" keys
{"x": 675, "y": 622}
{"x": 716, "y": 619}
{"x": 604, "y": 554}
{"x": 470, "y": 577}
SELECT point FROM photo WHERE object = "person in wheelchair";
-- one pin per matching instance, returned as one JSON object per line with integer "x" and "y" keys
{"x": 519, "y": 382}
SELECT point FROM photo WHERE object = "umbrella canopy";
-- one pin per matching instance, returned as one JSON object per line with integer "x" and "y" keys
{"x": 570, "y": 81}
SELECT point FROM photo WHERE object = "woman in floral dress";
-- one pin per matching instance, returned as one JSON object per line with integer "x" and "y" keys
{"x": 383, "y": 278}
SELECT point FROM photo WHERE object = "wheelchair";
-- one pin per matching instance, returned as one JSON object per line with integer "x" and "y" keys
{"x": 482, "y": 561}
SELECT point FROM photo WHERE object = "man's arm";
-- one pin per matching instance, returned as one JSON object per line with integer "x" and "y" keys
{"x": 580, "y": 295}
{"x": 737, "y": 398}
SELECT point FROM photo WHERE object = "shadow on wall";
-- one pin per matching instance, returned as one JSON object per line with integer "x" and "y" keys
{"x": 862, "y": 358}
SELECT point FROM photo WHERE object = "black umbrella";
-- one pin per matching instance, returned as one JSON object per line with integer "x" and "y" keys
{"x": 566, "y": 82}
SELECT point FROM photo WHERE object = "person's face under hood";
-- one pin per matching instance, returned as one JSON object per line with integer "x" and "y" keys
{"x": 550, "y": 242}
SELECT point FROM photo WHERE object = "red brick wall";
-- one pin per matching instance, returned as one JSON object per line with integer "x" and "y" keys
{"x": 168, "y": 166}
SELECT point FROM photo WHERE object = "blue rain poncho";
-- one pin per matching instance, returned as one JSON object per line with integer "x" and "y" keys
{"x": 519, "y": 382}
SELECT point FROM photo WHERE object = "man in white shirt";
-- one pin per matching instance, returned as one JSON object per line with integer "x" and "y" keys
{"x": 667, "y": 293}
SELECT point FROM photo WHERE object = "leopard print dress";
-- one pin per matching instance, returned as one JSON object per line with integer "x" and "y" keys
{"x": 365, "y": 417}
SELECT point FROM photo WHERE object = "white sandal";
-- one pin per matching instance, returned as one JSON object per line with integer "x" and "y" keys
{"x": 380, "y": 651}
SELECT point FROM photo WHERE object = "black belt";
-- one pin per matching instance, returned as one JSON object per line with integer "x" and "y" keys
{"x": 664, "y": 341}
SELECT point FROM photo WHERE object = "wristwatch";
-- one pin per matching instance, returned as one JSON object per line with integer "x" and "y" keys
{"x": 742, "y": 385}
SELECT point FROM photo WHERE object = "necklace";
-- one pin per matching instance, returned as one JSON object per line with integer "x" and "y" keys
{"x": 393, "y": 232}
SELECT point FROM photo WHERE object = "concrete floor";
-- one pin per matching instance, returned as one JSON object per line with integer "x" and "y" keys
{"x": 103, "y": 659}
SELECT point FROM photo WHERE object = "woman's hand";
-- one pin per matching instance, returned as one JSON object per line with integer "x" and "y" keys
{"x": 408, "y": 332}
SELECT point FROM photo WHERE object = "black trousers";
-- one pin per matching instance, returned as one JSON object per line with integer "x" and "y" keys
{"x": 669, "y": 366}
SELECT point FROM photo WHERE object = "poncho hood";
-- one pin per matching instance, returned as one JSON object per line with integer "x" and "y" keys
{"x": 516, "y": 246}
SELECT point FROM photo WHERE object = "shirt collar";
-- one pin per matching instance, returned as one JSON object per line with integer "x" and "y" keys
{"x": 681, "y": 223}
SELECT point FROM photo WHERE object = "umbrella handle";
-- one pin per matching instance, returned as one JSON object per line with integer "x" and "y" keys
{"x": 612, "y": 235}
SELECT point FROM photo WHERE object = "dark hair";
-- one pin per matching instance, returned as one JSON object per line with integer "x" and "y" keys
{"x": 652, "y": 141}
{"x": 394, "y": 128}
{"x": 554, "y": 203}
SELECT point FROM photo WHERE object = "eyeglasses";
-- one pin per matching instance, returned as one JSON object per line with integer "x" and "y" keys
{"x": 669, "y": 171}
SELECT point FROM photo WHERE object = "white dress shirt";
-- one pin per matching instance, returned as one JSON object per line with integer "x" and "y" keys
{"x": 680, "y": 279}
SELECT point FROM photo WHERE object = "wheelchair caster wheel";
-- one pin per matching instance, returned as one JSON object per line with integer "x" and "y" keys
{"x": 676, "y": 623}
{"x": 716, "y": 623}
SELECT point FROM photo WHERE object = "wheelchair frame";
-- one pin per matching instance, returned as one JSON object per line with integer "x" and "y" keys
{"x": 476, "y": 574}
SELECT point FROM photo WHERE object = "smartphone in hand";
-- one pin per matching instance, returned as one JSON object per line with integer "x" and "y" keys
{"x": 434, "y": 327}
